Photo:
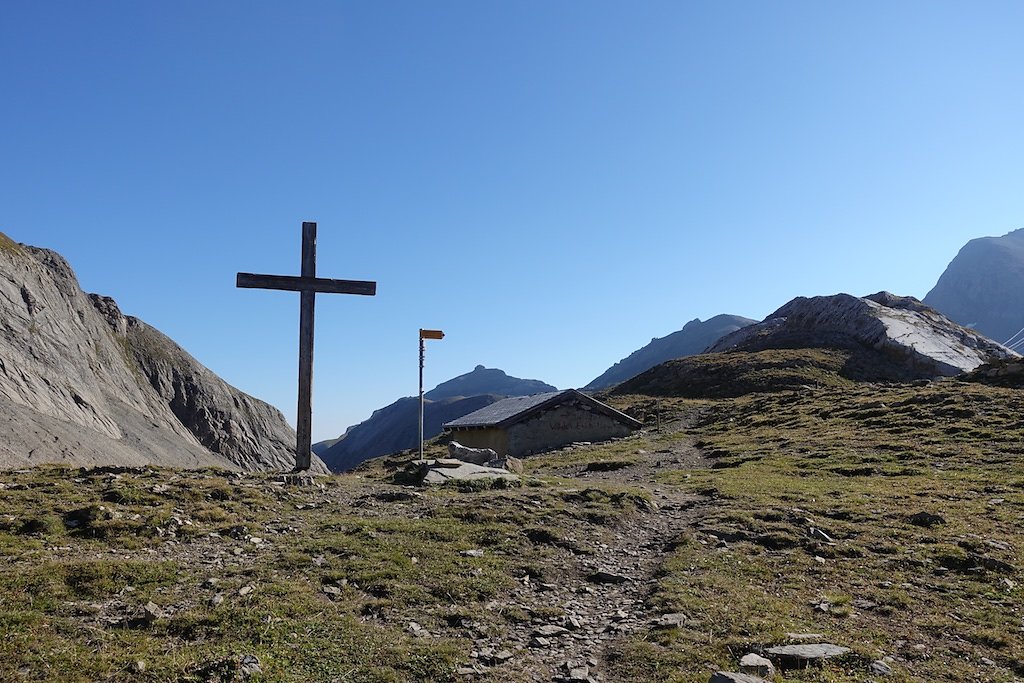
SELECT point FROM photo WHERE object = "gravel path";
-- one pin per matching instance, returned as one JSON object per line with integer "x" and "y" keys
{"x": 602, "y": 584}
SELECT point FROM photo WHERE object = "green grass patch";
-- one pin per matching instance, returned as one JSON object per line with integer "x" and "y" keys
{"x": 854, "y": 464}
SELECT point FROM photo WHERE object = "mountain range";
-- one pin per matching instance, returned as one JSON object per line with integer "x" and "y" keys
{"x": 883, "y": 514}
{"x": 83, "y": 384}
{"x": 693, "y": 338}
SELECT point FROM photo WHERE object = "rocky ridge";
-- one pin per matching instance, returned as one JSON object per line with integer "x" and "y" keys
{"x": 83, "y": 384}
{"x": 692, "y": 339}
{"x": 906, "y": 338}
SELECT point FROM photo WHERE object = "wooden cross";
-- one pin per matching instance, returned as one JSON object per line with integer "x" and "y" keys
{"x": 309, "y": 284}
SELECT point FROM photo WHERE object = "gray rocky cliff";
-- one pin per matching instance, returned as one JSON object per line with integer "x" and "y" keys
{"x": 908, "y": 338}
{"x": 983, "y": 287}
{"x": 82, "y": 384}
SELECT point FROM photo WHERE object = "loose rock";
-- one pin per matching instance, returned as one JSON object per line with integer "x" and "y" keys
{"x": 476, "y": 456}
{"x": 880, "y": 668}
{"x": 674, "y": 620}
{"x": 249, "y": 665}
{"x": 151, "y": 613}
{"x": 819, "y": 535}
{"x": 731, "y": 677}
{"x": 926, "y": 519}
{"x": 757, "y": 665}
{"x": 606, "y": 577}
{"x": 576, "y": 672}
{"x": 550, "y": 631}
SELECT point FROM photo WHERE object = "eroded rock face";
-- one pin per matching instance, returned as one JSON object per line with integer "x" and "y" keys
{"x": 983, "y": 287}
{"x": 82, "y": 384}
{"x": 250, "y": 433}
{"x": 909, "y": 339}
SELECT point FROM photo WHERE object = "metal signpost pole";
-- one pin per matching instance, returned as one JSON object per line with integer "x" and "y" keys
{"x": 425, "y": 334}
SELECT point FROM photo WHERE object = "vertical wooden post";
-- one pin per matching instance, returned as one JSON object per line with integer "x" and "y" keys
{"x": 304, "y": 415}
{"x": 308, "y": 284}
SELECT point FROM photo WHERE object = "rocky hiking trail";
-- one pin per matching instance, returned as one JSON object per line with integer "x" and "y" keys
{"x": 602, "y": 584}
{"x": 175, "y": 559}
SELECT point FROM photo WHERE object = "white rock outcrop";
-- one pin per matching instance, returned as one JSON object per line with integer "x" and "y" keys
{"x": 905, "y": 332}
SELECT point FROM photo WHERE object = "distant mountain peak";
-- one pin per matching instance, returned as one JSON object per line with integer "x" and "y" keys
{"x": 483, "y": 380}
{"x": 983, "y": 286}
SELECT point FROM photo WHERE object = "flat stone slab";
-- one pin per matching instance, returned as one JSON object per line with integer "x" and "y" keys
{"x": 730, "y": 677}
{"x": 443, "y": 471}
{"x": 550, "y": 631}
{"x": 606, "y": 577}
{"x": 807, "y": 652}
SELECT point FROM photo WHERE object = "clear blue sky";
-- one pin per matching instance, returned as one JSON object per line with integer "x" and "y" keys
{"x": 551, "y": 183}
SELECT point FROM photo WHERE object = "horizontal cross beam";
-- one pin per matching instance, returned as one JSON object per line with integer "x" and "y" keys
{"x": 292, "y": 283}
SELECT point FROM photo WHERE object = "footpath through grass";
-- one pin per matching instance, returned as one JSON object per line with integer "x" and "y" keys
{"x": 886, "y": 518}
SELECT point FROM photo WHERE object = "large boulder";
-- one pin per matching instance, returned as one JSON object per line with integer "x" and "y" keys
{"x": 898, "y": 337}
{"x": 445, "y": 471}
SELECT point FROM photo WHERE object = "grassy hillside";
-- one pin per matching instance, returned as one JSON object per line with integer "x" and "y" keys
{"x": 750, "y": 518}
{"x": 921, "y": 492}
{"x": 722, "y": 375}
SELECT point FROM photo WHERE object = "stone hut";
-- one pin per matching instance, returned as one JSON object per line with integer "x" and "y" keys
{"x": 523, "y": 425}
